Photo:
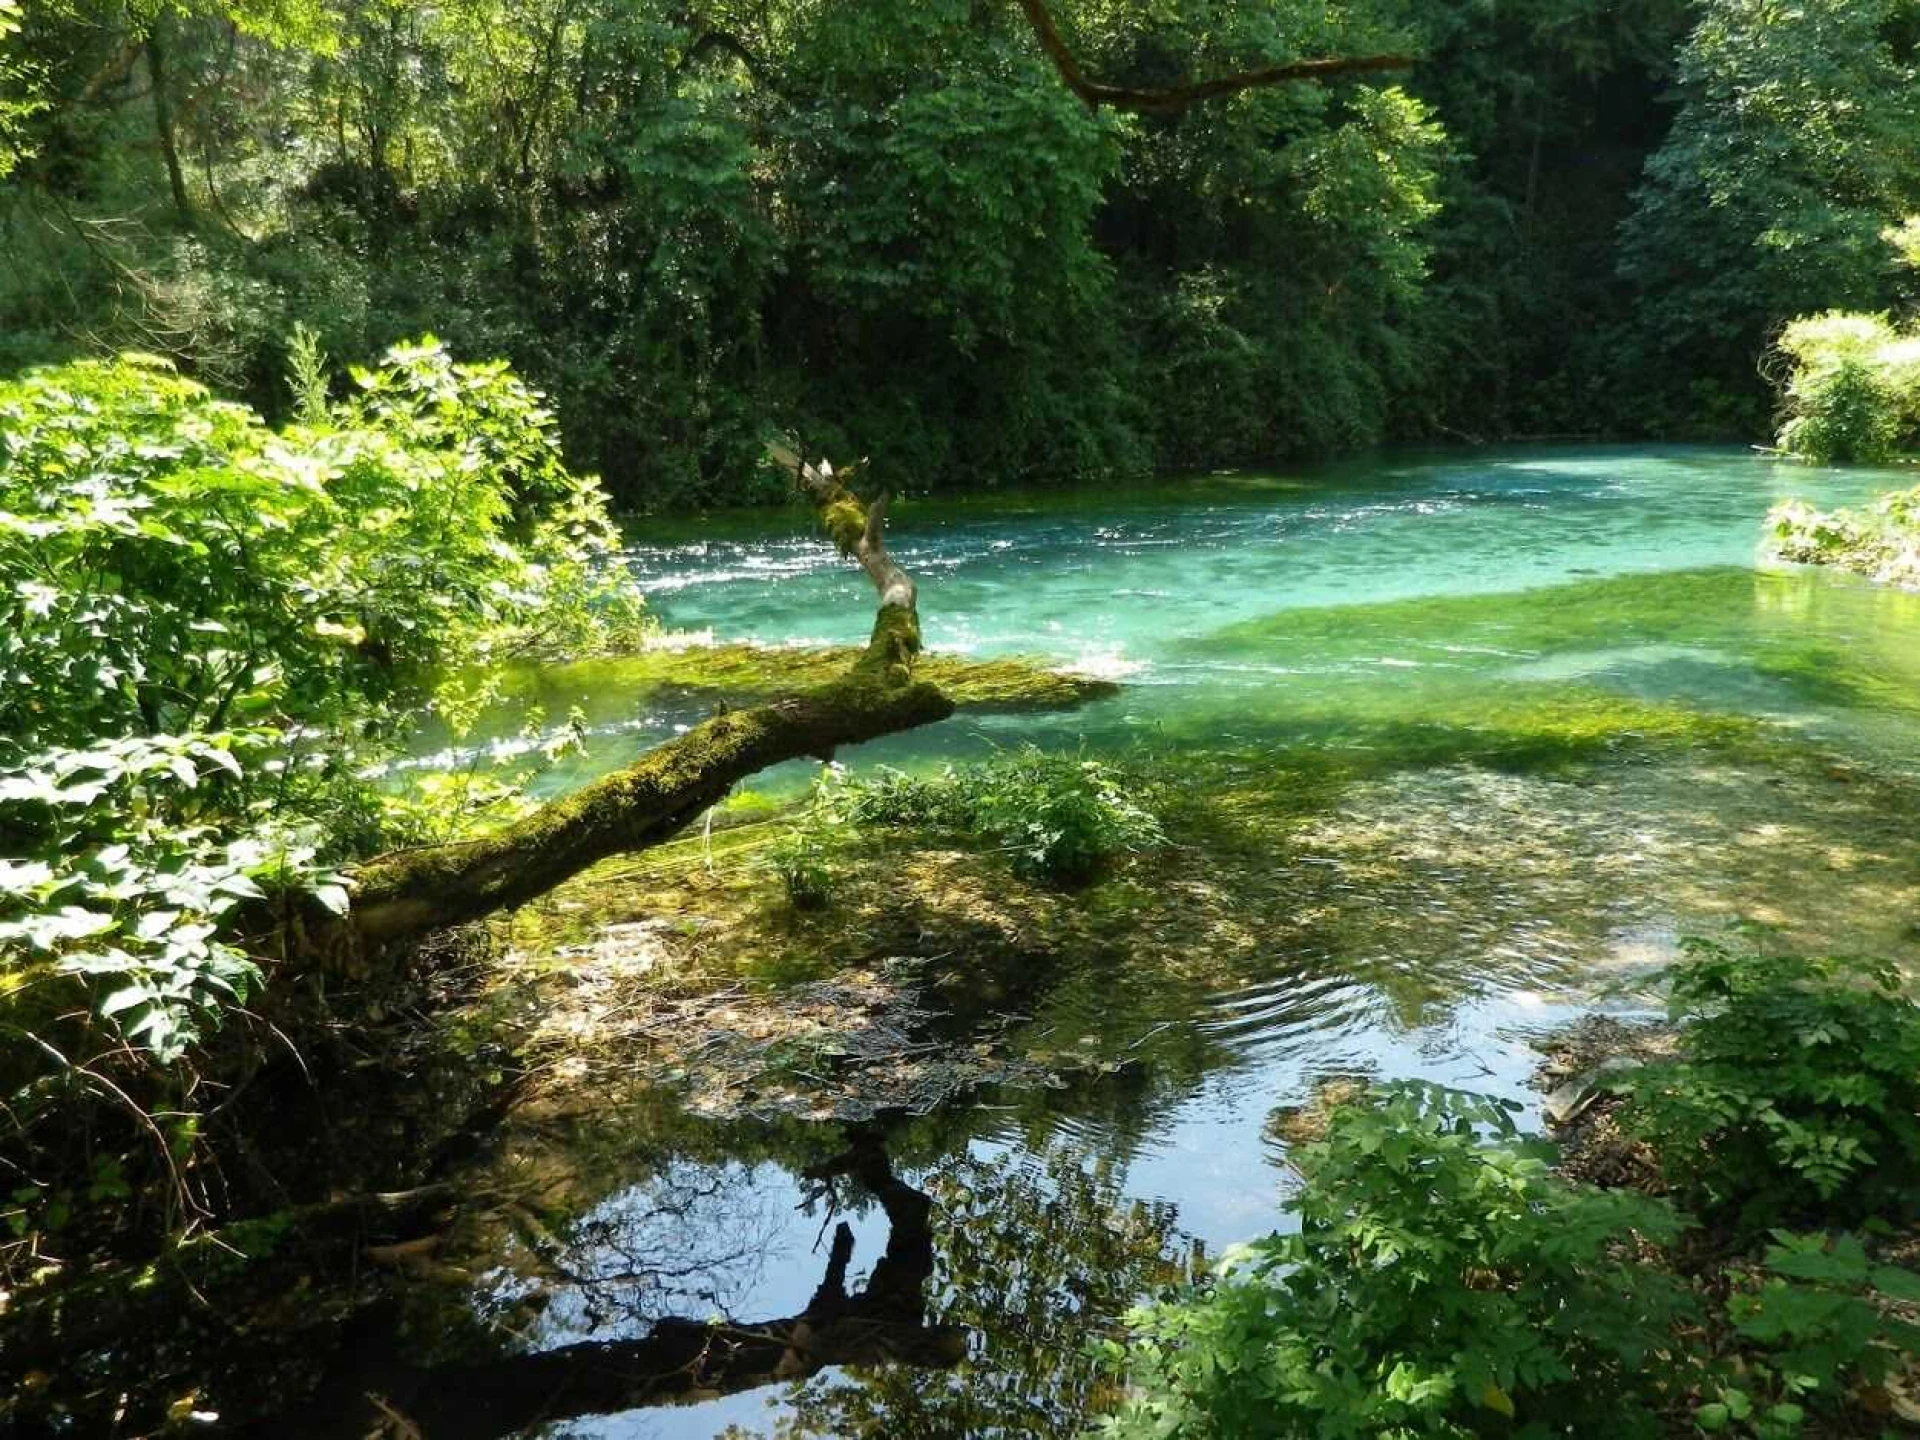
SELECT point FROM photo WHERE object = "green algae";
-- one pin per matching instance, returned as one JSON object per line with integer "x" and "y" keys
{"x": 742, "y": 674}
{"x": 1829, "y": 643}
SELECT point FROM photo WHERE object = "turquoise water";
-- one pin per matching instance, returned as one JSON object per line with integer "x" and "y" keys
{"x": 1574, "y": 719}
{"x": 1113, "y": 579}
{"x": 1235, "y": 605}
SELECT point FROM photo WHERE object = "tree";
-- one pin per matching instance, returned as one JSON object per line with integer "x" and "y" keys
{"x": 1793, "y": 150}
{"x": 401, "y": 897}
{"x": 17, "y": 98}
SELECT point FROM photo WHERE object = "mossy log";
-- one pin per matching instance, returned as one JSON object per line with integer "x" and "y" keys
{"x": 399, "y": 897}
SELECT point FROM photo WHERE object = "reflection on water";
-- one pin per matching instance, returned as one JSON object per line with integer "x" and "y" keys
{"x": 1461, "y": 747}
{"x": 1034, "y": 1257}
{"x": 970, "y": 1314}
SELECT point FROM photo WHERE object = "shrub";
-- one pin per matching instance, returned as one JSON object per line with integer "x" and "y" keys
{"x": 1439, "y": 1285}
{"x": 208, "y": 629}
{"x": 1853, "y": 395}
{"x": 1795, "y": 1094}
{"x": 803, "y": 859}
{"x": 1057, "y": 818}
{"x": 1815, "y": 1325}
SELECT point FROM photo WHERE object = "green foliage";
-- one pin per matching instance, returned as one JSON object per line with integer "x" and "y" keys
{"x": 307, "y": 375}
{"x": 1793, "y": 149}
{"x": 1444, "y": 1282}
{"x": 690, "y": 234}
{"x": 1795, "y": 1095}
{"x": 692, "y": 226}
{"x": 19, "y": 101}
{"x": 1438, "y": 1285}
{"x": 803, "y": 861}
{"x": 1058, "y": 818}
{"x": 804, "y": 857}
{"x": 1905, "y": 239}
{"x": 1853, "y": 392}
{"x": 1817, "y": 1325}
{"x": 209, "y": 630}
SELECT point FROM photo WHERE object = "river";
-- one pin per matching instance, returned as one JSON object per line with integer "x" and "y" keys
{"x": 1531, "y": 716}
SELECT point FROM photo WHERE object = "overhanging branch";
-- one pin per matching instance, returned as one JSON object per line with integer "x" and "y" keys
{"x": 1171, "y": 100}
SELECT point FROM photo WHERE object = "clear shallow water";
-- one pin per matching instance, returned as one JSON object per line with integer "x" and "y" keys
{"x": 1233, "y": 603}
{"x": 1529, "y": 660}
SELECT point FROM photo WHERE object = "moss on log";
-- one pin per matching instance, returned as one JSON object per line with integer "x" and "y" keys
{"x": 738, "y": 674}
{"x": 399, "y": 897}
{"x": 404, "y": 895}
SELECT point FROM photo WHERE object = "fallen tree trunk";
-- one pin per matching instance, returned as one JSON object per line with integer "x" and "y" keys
{"x": 398, "y": 898}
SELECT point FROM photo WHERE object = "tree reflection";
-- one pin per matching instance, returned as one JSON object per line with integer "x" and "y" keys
{"x": 693, "y": 1236}
{"x": 974, "y": 1320}
{"x": 1034, "y": 1257}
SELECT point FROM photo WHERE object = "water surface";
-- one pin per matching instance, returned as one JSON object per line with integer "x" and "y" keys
{"x": 1558, "y": 715}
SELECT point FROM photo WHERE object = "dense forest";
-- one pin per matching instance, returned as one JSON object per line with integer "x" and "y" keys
{"x": 890, "y": 229}
{"x": 959, "y": 718}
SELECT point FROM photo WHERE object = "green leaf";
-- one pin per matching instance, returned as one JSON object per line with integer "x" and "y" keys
{"x": 125, "y": 998}
{"x": 1895, "y": 1283}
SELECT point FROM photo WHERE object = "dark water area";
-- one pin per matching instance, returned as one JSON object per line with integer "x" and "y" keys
{"x": 1476, "y": 741}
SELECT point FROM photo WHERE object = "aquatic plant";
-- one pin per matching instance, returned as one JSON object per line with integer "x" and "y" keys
{"x": 1881, "y": 541}
{"x": 1059, "y": 818}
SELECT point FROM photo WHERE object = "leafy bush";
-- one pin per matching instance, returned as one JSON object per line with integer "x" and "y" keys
{"x": 1854, "y": 390}
{"x": 1817, "y": 1325}
{"x": 208, "y": 629}
{"x": 804, "y": 863}
{"x": 1796, "y": 1092}
{"x": 1439, "y": 1285}
{"x": 1057, "y": 818}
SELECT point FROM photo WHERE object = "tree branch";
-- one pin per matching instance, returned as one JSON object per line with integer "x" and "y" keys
{"x": 1171, "y": 100}
{"x": 399, "y": 897}
{"x": 727, "y": 44}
